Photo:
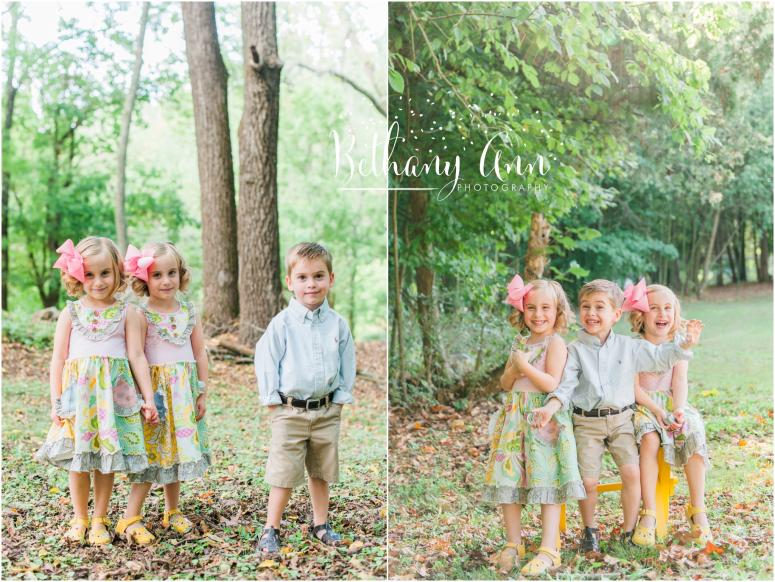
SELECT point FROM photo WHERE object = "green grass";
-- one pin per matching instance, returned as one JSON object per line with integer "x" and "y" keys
{"x": 439, "y": 530}
{"x": 228, "y": 505}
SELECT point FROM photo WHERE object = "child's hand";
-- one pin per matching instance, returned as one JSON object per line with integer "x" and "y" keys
{"x": 519, "y": 359}
{"x": 680, "y": 418}
{"x": 661, "y": 416}
{"x": 201, "y": 408}
{"x": 56, "y": 418}
{"x": 693, "y": 332}
{"x": 541, "y": 416}
{"x": 150, "y": 414}
{"x": 271, "y": 407}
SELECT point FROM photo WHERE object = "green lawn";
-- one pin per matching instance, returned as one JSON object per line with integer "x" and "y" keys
{"x": 439, "y": 529}
{"x": 228, "y": 505}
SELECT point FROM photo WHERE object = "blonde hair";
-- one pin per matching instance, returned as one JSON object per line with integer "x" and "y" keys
{"x": 564, "y": 311}
{"x": 309, "y": 251}
{"x": 638, "y": 321}
{"x": 159, "y": 249}
{"x": 93, "y": 246}
{"x": 611, "y": 290}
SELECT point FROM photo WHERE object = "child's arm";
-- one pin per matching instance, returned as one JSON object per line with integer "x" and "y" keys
{"x": 344, "y": 394}
{"x": 136, "y": 327}
{"x": 561, "y": 397}
{"x": 58, "y": 357}
{"x": 200, "y": 355}
{"x": 556, "y": 355}
{"x": 642, "y": 398}
{"x": 662, "y": 357}
{"x": 270, "y": 350}
{"x": 510, "y": 373}
{"x": 680, "y": 385}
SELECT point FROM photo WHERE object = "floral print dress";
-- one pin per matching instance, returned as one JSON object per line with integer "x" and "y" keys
{"x": 677, "y": 447}
{"x": 177, "y": 447}
{"x": 99, "y": 404}
{"x": 527, "y": 465}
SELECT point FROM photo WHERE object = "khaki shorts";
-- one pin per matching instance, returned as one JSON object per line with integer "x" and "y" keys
{"x": 594, "y": 434}
{"x": 303, "y": 438}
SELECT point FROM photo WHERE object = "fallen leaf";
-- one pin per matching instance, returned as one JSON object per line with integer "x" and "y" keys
{"x": 355, "y": 547}
{"x": 457, "y": 424}
{"x": 610, "y": 560}
{"x": 742, "y": 443}
{"x": 428, "y": 449}
{"x": 711, "y": 548}
{"x": 268, "y": 564}
{"x": 473, "y": 451}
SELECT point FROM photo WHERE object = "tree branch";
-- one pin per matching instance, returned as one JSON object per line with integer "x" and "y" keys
{"x": 345, "y": 79}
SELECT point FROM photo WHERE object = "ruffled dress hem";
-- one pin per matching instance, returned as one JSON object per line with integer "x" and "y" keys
{"x": 180, "y": 472}
{"x": 60, "y": 454}
{"x": 537, "y": 495}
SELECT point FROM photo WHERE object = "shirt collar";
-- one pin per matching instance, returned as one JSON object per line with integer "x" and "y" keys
{"x": 301, "y": 313}
{"x": 593, "y": 340}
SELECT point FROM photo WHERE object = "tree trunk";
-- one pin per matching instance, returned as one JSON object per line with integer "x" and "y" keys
{"x": 10, "y": 98}
{"x": 709, "y": 253}
{"x": 732, "y": 262}
{"x": 123, "y": 142}
{"x": 437, "y": 372}
{"x": 398, "y": 320}
{"x": 216, "y": 174}
{"x": 259, "y": 233}
{"x": 741, "y": 252}
{"x": 762, "y": 271}
{"x": 535, "y": 257}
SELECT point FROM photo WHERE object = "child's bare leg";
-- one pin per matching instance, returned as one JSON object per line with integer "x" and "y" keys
{"x": 512, "y": 522}
{"x": 79, "y": 492}
{"x": 695, "y": 478}
{"x": 137, "y": 495}
{"x": 319, "y": 494}
{"x": 278, "y": 499}
{"x": 172, "y": 495}
{"x": 103, "y": 488}
{"x": 588, "y": 505}
{"x": 630, "y": 494}
{"x": 550, "y": 527}
{"x": 649, "y": 470}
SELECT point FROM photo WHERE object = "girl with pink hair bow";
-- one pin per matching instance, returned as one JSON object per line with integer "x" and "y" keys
{"x": 664, "y": 418}
{"x": 95, "y": 407}
{"x": 528, "y": 465}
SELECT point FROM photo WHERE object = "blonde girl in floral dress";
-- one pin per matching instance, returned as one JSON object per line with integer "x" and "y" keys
{"x": 95, "y": 407}
{"x": 664, "y": 418}
{"x": 173, "y": 342}
{"x": 528, "y": 465}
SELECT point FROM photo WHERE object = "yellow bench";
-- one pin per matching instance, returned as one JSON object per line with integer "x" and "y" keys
{"x": 665, "y": 488}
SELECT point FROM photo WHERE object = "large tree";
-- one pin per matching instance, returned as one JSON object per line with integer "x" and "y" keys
{"x": 126, "y": 123}
{"x": 259, "y": 239}
{"x": 216, "y": 174}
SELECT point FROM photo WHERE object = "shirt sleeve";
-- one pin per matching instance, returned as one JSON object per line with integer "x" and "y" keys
{"x": 344, "y": 394}
{"x": 270, "y": 350}
{"x": 658, "y": 358}
{"x": 568, "y": 382}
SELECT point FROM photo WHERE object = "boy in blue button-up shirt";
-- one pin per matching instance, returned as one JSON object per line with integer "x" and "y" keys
{"x": 598, "y": 383}
{"x": 305, "y": 367}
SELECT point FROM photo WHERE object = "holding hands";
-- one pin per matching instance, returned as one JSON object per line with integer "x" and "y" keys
{"x": 150, "y": 414}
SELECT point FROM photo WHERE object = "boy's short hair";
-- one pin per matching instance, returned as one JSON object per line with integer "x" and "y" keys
{"x": 611, "y": 290}
{"x": 92, "y": 246}
{"x": 309, "y": 251}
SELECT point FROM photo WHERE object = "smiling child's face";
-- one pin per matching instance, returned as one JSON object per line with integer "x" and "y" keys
{"x": 659, "y": 320}
{"x": 540, "y": 312}
{"x": 310, "y": 282}
{"x": 598, "y": 314}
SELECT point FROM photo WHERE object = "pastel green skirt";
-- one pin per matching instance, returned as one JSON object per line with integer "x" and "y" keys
{"x": 527, "y": 465}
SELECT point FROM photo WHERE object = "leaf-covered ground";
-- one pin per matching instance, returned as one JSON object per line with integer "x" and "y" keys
{"x": 439, "y": 530}
{"x": 228, "y": 505}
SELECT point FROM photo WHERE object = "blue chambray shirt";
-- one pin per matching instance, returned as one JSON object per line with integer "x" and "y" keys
{"x": 306, "y": 354}
{"x": 603, "y": 375}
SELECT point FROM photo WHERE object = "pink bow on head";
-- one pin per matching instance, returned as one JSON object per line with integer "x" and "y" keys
{"x": 517, "y": 292}
{"x": 636, "y": 297}
{"x": 70, "y": 261}
{"x": 137, "y": 263}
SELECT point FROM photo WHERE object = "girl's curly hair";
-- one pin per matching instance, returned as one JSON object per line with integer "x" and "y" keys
{"x": 93, "y": 246}
{"x": 638, "y": 322}
{"x": 158, "y": 249}
{"x": 565, "y": 315}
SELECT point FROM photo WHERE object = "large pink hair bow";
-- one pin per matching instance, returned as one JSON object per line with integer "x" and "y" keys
{"x": 517, "y": 292}
{"x": 636, "y": 297}
{"x": 137, "y": 263}
{"x": 70, "y": 261}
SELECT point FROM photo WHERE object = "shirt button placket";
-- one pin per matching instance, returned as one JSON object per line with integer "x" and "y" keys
{"x": 317, "y": 351}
